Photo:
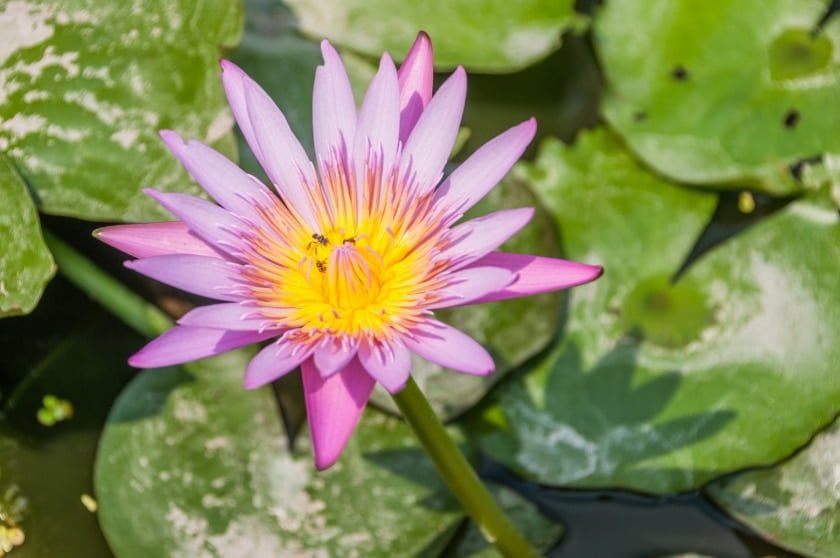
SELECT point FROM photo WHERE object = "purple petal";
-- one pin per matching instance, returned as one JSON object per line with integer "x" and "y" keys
{"x": 535, "y": 274}
{"x": 230, "y": 315}
{"x": 183, "y": 344}
{"x": 389, "y": 362}
{"x": 429, "y": 145}
{"x": 471, "y": 283}
{"x": 448, "y": 347}
{"x": 333, "y": 354}
{"x": 484, "y": 169}
{"x": 377, "y": 130}
{"x": 333, "y": 107}
{"x": 233, "y": 81}
{"x": 284, "y": 159}
{"x": 274, "y": 361}
{"x": 415, "y": 77}
{"x": 334, "y": 406}
{"x": 212, "y": 223}
{"x": 229, "y": 185}
{"x": 210, "y": 277}
{"x": 154, "y": 239}
{"x": 478, "y": 237}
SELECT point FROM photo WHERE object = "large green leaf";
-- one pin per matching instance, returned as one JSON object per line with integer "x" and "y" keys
{"x": 191, "y": 464}
{"x": 660, "y": 385}
{"x": 795, "y": 504}
{"x": 85, "y": 85}
{"x": 483, "y": 35}
{"x": 25, "y": 262}
{"x": 722, "y": 92}
{"x": 498, "y": 325}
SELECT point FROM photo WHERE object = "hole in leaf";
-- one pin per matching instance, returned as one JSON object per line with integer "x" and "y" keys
{"x": 679, "y": 73}
{"x": 791, "y": 118}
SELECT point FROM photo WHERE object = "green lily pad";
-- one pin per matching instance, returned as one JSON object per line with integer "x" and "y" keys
{"x": 795, "y": 504}
{"x": 25, "y": 263}
{"x": 721, "y": 93}
{"x": 497, "y": 325}
{"x": 661, "y": 385}
{"x": 487, "y": 35}
{"x": 85, "y": 85}
{"x": 191, "y": 464}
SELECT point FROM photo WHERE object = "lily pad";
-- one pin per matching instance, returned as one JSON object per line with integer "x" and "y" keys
{"x": 25, "y": 263}
{"x": 190, "y": 464}
{"x": 721, "y": 93}
{"x": 795, "y": 504}
{"x": 483, "y": 35}
{"x": 85, "y": 85}
{"x": 662, "y": 383}
{"x": 497, "y": 325}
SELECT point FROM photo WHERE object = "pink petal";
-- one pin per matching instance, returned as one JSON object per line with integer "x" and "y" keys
{"x": 377, "y": 130}
{"x": 333, "y": 106}
{"x": 333, "y": 354}
{"x": 233, "y": 81}
{"x": 480, "y": 236}
{"x": 334, "y": 405}
{"x": 154, "y": 239}
{"x": 230, "y": 315}
{"x": 415, "y": 78}
{"x": 535, "y": 274}
{"x": 183, "y": 344}
{"x": 388, "y": 362}
{"x": 448, "y": 347}
{"x": 212, "y": 223}
{"x": 466, "y": 285}
{"x": 274, "y": 361}
{"x": 429, "y": 145}
{"x": 229, "y": 185}
{"x": 284, "y": 159}
{"x": 210, "y": 277}
{"x": 484, "y": 169}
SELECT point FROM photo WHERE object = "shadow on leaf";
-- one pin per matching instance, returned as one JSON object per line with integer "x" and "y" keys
{"x": 587, "y": 426}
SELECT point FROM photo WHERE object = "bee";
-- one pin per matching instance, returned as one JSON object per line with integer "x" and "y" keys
{"x": 351, "y": 240}
{"x": 318, "y": 239}
{"x": 321, "y": 265}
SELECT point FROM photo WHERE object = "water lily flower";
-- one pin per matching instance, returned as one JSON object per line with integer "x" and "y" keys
{"x": 344, "y": 264}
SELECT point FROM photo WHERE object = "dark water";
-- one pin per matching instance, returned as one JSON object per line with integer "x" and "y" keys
{"x": 626, "y": 525}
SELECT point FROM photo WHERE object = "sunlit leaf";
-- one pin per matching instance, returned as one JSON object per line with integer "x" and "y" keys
{"x": 795, "y": 504}
{"x": 191, "y": 464}
{"x": 483, "y": 35}
{"x": 721, "y": 93}
{"x": 25, "y": 262}
{"x": 85, "y": 85}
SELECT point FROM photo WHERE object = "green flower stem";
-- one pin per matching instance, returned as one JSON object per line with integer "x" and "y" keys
{"x": 143, "y": 317}
{"x": 460, "y": 476}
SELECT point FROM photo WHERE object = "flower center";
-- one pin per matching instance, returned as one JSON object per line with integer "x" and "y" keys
{"x": 349, "y": 274}
{"x": 367, "y": 270}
